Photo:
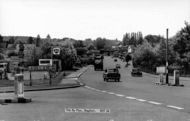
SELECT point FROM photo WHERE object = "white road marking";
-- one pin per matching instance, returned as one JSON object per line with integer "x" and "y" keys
{"x": 153, "y": 102}
{"x": 86, "y": 110}
{"x": 150, "y": 120}
{"x": 91, "y": 88}
{"x": 133, "y": 98}
{"x": 97, "y": 90}
{"x": 174, "y": 107}
{"x": 75, "y": 78}
{"x": 141, "y": 100}
{"x": 88, "y": 87}
{"x": 111, "y": 120}
{"x": 120, "y": 95}
{"x": 110, "y": 93}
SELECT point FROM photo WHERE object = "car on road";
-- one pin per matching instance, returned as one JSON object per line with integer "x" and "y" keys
{"x": 111, "y": 74}
{"x": 136, "y": 72}
{"x": 115, "y": 60}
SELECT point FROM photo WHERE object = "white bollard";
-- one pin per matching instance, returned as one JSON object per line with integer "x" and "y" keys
{"x": 19, "y": 85}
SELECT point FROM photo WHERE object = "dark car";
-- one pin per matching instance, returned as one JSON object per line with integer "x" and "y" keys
{"x": 136, "y": 72}
{"x": 112, "y": 74}
{"x": 115, "y": 60}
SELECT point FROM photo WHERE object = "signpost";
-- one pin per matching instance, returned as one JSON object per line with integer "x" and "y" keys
{"x": 42, "y": 68}
{"x": 56, "y": 51}
{"x": 161, "y": 70}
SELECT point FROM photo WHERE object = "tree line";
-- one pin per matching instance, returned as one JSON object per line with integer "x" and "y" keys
{"x": 150, "y": 51}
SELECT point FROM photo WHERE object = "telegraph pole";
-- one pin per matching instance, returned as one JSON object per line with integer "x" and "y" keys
{"x": 167, "y": 78}
{"x": 51, "y": 66}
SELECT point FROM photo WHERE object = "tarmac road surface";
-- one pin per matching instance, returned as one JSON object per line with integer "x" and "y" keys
{"x": 132, "y": 99}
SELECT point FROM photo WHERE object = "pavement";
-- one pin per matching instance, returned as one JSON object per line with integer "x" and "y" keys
{"x": 70, "y": 81}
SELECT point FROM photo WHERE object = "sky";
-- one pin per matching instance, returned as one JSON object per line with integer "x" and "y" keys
{"x": 81, "y": 19}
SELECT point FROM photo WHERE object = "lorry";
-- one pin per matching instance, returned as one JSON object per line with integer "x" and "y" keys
{"x": 98, "y": 62}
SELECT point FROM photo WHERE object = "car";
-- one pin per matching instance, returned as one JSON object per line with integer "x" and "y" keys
{"x": 118, "y": 66}
{"x": 136, "y": 72}
{"x": 115, "y": 60}
{"x": 111, "y": 74}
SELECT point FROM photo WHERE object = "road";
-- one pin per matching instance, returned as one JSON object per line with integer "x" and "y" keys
{"x": 140, "y": 87}
{"x": 132, "y": 99}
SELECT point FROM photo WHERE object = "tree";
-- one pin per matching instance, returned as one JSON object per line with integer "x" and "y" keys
{"x": 30, "y": 40}
{"x": 11, "y": 40}
{"x": 67, "y": 54}
{"x": 36, "y": 55}
{"x": 161, "y": 52}
{"x": 1, "y": 39}
{"x": 154, "y": 39}
{"x": 38, "y": 40}
{"x": 134, "y": 38}
{"x": 1, "y": 56}
{"x": 48, "y": 37}
{"x": 88, "y": 42}
{"x": 1, "y": 42}
{"x": 100, "y": 43}
{"x": 127, "y": 58}
{"x": 46, "y": 50}
{"x": 79, "y": 43}
{"x": 182, "y": 46}
{"x": 91, "y": 47}
{"x": 145, "y": 57}
{"x": 21, "y": 50}
{"x": 68, "y": 58}
{"x": 126, "y": 39}
{"x": 81, "y": 51}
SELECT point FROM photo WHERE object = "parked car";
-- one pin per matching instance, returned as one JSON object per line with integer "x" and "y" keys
{"x": 115, "y": 60}
{"x": 111, "y": 74}
{"x": 136, "y": 72}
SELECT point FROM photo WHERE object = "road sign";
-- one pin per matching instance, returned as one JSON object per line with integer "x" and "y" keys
{"x": 56, "y": 51}
{"x": 161, "y": 70}
{"x": 129, "y": 49}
